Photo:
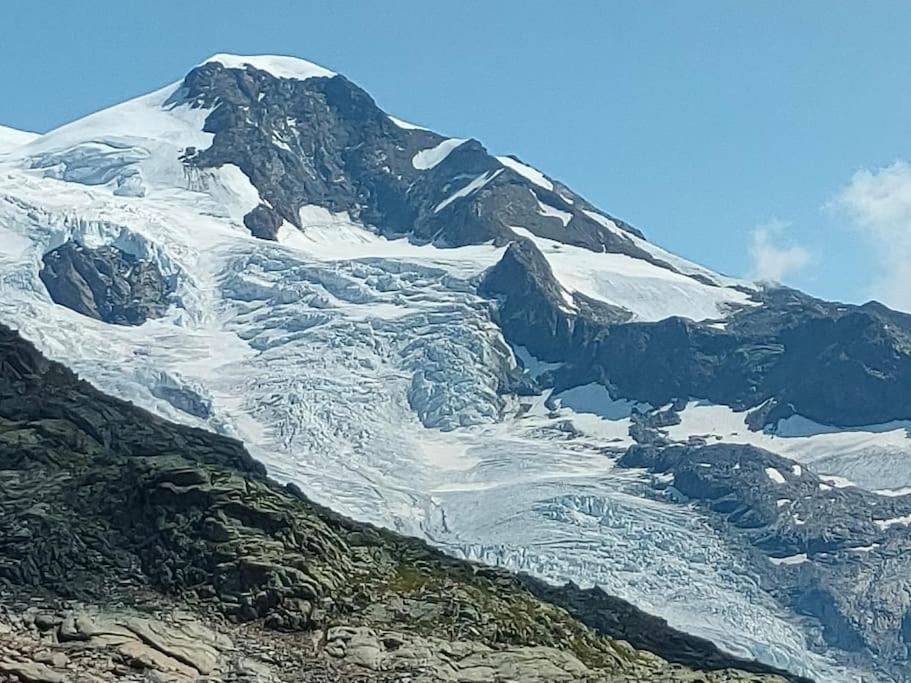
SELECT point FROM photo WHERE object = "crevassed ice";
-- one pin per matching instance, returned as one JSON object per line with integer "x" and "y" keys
{"x": 367, "y": 371}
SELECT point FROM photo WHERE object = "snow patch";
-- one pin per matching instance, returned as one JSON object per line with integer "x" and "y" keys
{"x": 776, "y": 476}
{"x": 903, "y": 491}
{"x": 873, "y": 457}
{"x": 648, "y": 291}
{"x": 836, "y": 481}
{"x": 468, "y": 189}
{"x": 527, "y": 172}
{"x": 884, "y": 524}
{"x": 328, "y": 236}
{"x": 547, "y": 210}
{"x": 800, "y": 558}
{"x": 429, "y": 158}
{"x": 404, "y": 124}
{"x": 277, "y": 65}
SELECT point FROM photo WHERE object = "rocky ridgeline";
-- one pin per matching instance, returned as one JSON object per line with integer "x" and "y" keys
{"x": 132, "y": 548}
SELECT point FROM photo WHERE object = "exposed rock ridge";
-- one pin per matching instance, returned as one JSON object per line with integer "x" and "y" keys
{"x": 794, "y": 350}
{"x": 324, "y": 142}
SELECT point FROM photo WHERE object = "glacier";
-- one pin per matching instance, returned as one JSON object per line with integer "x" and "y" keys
{"x": 367, "y": 370}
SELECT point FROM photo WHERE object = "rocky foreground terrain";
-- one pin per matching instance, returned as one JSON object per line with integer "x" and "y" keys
{"x": 136, "y": 549}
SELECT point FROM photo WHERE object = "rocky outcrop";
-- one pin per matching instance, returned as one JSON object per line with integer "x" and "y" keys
{"x": 105, "y": 283}
{"x": 829, "y": 553}
{"x": 324, "y": 142}
{"x": 791, "y": 354}
{"x": 102, "y": 504}
{"x": 51, "y": 641}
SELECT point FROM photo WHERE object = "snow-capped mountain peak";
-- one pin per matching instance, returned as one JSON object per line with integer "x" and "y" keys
{"x": 457, "y": 345}
{"x": 278, "y": 65}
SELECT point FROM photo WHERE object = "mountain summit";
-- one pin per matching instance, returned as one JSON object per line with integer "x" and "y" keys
{"x": 454, "y": 345}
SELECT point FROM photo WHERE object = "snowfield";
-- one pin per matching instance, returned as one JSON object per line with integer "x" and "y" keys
{"x": 874, "y": 457}
{"x": 10, "y": 138}
{"x": 366, "y": 371}
{"x": 277, "y": 65}
{"x": 648, "y": 291}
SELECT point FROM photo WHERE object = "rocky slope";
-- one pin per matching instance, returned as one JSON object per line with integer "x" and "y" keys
{"x": 132, "y": 548}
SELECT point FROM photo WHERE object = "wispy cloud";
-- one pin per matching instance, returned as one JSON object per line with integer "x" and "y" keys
{"x": 879, "y": 204}
{"x": 771, "y": 257}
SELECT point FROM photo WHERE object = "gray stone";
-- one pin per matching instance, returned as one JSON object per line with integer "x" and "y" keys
{"x": 105, "y": 283}
{"x": 32, "y": 672}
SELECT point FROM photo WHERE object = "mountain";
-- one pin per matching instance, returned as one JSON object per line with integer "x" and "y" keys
{"x": 132, "y": 547}
{"x": 453, "y": 345}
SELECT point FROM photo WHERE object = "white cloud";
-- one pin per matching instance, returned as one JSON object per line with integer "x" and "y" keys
{"x": 879, "y": 203}
{"x": 772, "y": 261}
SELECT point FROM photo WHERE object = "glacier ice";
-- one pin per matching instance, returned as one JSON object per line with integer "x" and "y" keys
{"x": 367, "y": 370}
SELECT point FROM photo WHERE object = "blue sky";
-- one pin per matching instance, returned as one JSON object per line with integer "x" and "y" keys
{"x": 757, "y": 138}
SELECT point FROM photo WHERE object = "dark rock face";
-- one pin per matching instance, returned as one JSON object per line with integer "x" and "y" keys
{"x": 102, "y": 501}
{"x": 794, "y": 350}
{"x": 823, "y": 551}
{"x": 323, "y": 141}
{"x": 263, "y": 222}
{"x": 105, "y": 283}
